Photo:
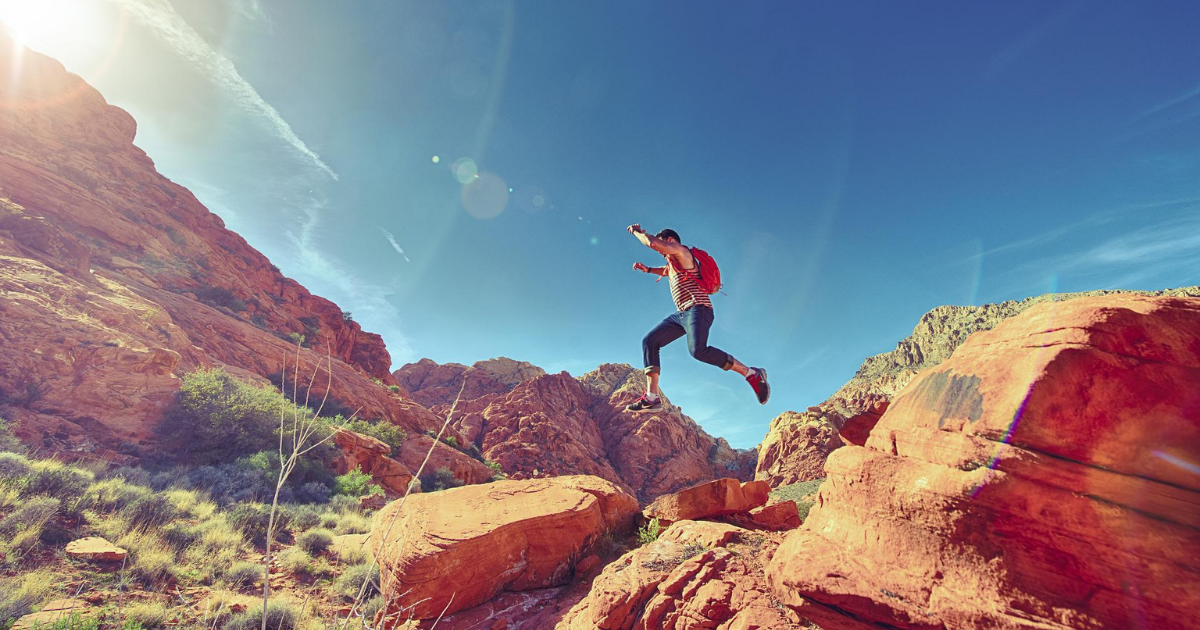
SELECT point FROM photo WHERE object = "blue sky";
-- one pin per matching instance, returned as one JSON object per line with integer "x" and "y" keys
{"x": 850, "y": 165}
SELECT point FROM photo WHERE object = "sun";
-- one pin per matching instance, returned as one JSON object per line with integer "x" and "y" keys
{"x": 43, "y": 24}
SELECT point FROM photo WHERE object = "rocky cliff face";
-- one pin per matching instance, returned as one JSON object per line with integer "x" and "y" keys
{"x": 791, "y": 452}
{"x": 553, "y": 424}
{"x": 1041, "y": 477}
{"x": 114, "y": 281}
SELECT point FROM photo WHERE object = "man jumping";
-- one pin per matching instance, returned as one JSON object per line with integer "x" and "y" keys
{"x": 693, "y": 317}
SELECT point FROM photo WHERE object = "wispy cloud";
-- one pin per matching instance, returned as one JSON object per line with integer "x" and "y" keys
{"x": 1170, "y": 103}
{"x": 160, "y": 17}
{"x": 1032, "y": 37}
{"x": 396, "y": 246}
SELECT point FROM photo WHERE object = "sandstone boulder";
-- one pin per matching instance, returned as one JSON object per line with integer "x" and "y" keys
{"x": 696, "y": 575}
{"x": 456, "y": 549}
{"x": 1040, "y": 477}
{"x": 796, "y": 447}
{"x": 857, "y": 428}
{"x": 775, "y": 517}
{"x": 96, "y": 549}
{"x": 372, "y": 457}
{"x": 709, "y": 500}
{"x": 55, "y": 612}
{"x": 463, "y": 467}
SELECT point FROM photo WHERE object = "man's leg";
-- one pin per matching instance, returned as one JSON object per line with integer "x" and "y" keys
{"x": 697, "y": 322}
{"x": 665, "y": 332}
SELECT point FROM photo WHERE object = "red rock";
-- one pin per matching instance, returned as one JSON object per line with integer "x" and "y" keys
{"x": 1037, "y": 478}
{"x": 370, "y": 455}
{"x": 456, "y": 549}
{"x": 715, "y": 498}
{"x": 54, "y": 612}
{"x": 776, "y": 517}
{"x": 587, "y": 565}
{"x": 675, "y": 583}
{"x": 857, "y": 428}
{"x": 796, "y": 446}
{"x": 96, "y": 549}
{"x": 117, "y": 281}
{"x": 465, "y": 469}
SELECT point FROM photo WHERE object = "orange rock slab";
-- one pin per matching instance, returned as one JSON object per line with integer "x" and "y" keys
{"x": 708, "y": 500}
{"x": 1042, "y": 477}
{"x": 455, "y": 549}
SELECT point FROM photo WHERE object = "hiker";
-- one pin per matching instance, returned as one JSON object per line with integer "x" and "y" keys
{"x": 693, "y": 317}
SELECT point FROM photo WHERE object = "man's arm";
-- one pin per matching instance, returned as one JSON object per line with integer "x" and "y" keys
{"x": 659, "y": 245}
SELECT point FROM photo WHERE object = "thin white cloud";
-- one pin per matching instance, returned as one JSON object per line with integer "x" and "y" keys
{"x": 396, "y": 246}
{"x": 1171, "y": 102}
{"x": 160, "y": 17}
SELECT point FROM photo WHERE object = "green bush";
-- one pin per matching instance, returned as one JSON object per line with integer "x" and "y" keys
{"x": 649, "y": 532}
{"x": 14, "y": 468}
{"x": 19, "y": 594}
{"x": 315, "y": 541}
{"x": 179, "y": 536}
{"x": 497, "y": 470}
{"x": 372, "y": 607}
{"x": 243, "y": 574}
{"x": 9, "y": 442}
{"x": 217, "y": 418}
{"x": 381, "y": 430}
{"x": 352, "y": 523}
{"x": 355, "y": 483}
{"x": 281, "y": 615}
{"x": 252, "y": 519}
{"x": 30, "y": 515}
{"x": 295, "y": 561}
{"x": 51, "y": 479}
{"x": 450, "y": 440}
{"x": 149, "y": 512}
{"x": 305, "y": 518}
{"x": 111, "y": 494}
{"x": 351, "y": 580}
{"x": 441, "y": 479}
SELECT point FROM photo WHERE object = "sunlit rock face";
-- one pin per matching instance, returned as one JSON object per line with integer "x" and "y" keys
{"x": 535, "y": 425}
{"x": 114, "y": 281}
{"x": 1044, "y": 474}
{"x": 797, "y": 444}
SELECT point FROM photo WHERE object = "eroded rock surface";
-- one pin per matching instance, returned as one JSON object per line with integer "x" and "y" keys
{"x": 722, "y": 497}
{"x": 1038, "y": 478}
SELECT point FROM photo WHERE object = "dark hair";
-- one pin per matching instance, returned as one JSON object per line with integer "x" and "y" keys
{"x": 669, "y": 234}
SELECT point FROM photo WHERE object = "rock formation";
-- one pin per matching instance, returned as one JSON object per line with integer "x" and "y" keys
{"x": 708, "y": 500}
{"x": 535, "y": 424}
{"x": 114, "y": 281}
{"x": 1044, "y": 476}
{"x": 795, "y": 448}
{"x": 455, "y": 549}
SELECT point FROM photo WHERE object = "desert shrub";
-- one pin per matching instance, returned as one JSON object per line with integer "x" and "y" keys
{"x": 19, "y": 594}
{"x": 395, "y": 389}
{"x": 315, "y": 541}
{"x": 355, "y": 483}
{"x": 343, "y": 504}
{"x": 351, "y": 580}
{"x": 149, "y": 512}
{"x": 9, "y": 442}
{"x": 111, "y": 494}
{"x": 179, "y": 536}
{"x": 329, "y": 520}
{"x": 351, "y": 523}
{"x": 381, "y": 430}
{"x": 130, "y": 474}
{"x": 450, "y": 440}
{"x": 252, "y": 519}
{"x": 14, "y": 468}
{"x": 441, "y": 479}
{"x": 190, "y": 502}
{"x": 497, "y": 470}
{"x": 220, "y": 296}
{"x": 148, "y": 615}
{"x": 53, "y": 479}
{"x": 372, "y": 607}
{"x": 649, "y": 532}
{"x": 352, "y": 552}
{"x": 313, "y": 492}
{"x": 22, "y": 530}
{"x": 281, "y": 615}
{"x": 217, "y": 418}
{"x": 151, "y": 561}
{"x": 243, "y": 574}
{"x": 216, "y": 549}
{"x": 295, "y": 561}
{"x": 305, "y": 518}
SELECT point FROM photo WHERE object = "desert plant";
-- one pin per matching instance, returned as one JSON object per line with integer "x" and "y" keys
{"x": 179, "y": 536}
{"x": 54, "y": 479}
{"x": 394, "y": 389}
{"x": 151, "y": 561}
{"x": 254, "y": 520}
{"x": 354, "y": 579}
{"x": 30, "y": 515}
{"x": 315, "y": 541}
{"x": 381, "y": 430}
{"x": 111, "y": 494}
{"x": 305, "y": 518}
{"x": 295, "y": 561}
{"x": 149, "y": 512}
{"x": 356, "y": 483}
{"x": 497, "y": 470}
{"x": 242, "y": 574}
{"x": 9, "y": 442}
{"x": 649, "y": 532}
{"x": 148, "y": 615}
{"x": 443, "y": 478}
{"x": 451, "y": 441}
{"x": 279, "y": 615}
{"x": 19, "y": 594}
{"x": 14, "y": 468}
{"x": 351, "y": 523}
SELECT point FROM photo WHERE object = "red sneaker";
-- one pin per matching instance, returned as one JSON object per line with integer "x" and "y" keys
{"x": 758, "y": 381}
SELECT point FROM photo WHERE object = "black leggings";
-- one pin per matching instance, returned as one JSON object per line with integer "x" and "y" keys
{"x": 694, "y": 323}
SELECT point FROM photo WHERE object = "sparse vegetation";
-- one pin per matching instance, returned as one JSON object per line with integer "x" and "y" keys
{"x": 315, "y": 541}
{"x": 356, "y": 483}
{"x": 381, "y": 430}
{"x": 803, "y": 493}
{"x": 441, "y": 479}
{"x": 649, "y": 532}
{"x": 9, "y": 442}
{"x": 220, "y": 297}
{"x": 451, "y": 441}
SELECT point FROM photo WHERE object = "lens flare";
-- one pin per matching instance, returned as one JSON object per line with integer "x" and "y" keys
{"x": 464, "y": 170}
{"x": 436, "y": 159}
{"x": 486, "y": 196}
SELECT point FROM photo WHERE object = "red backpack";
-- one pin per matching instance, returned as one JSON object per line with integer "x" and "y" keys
{"x": 710, "y": 275}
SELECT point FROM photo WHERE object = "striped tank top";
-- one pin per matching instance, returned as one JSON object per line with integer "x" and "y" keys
{"x": 685, "y": 291}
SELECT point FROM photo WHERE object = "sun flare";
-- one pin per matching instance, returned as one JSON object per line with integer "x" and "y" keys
{"x": 47, "y": 23}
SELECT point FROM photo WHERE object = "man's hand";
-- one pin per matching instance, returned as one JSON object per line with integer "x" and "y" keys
{"x": 635, "y": 229}
{"x": 637, "y": 266}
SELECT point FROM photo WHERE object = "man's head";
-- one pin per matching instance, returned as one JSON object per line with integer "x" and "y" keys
{"x": 669, "y": 235}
